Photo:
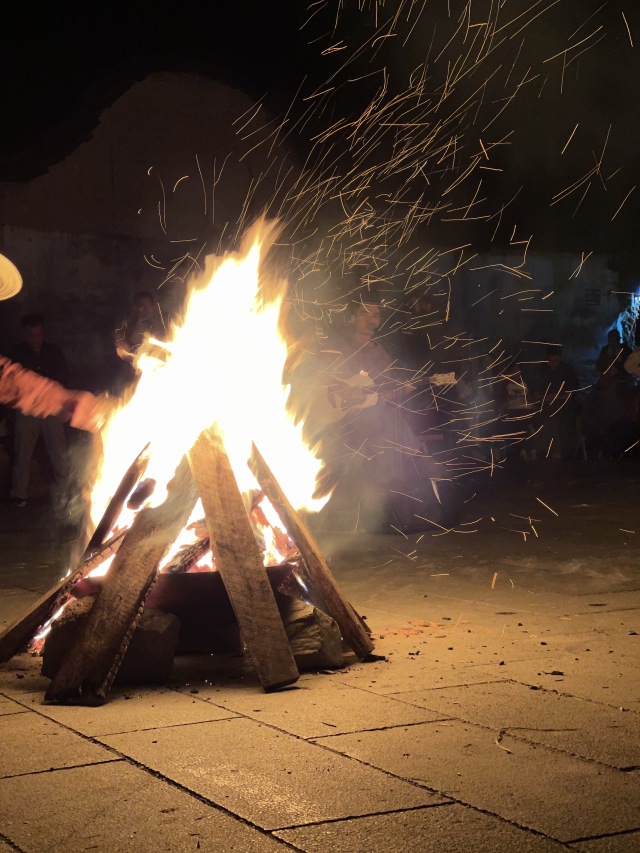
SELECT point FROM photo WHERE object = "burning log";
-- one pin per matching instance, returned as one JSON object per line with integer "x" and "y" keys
{"x": 240, "y": 564}
{"x": 95, "y": 655}
{"x": 149, "y": 656}
{"x": 208, "y": 623}
{"x": 106, "y": 550}
{"x": 187, "y": 557}
{"x": 88, "y": 670}
{"x": 20, "y": 632}
{"x": 353, "y": 630}
{"x": 114, "y": 508}
{"x": 314, "y": 637}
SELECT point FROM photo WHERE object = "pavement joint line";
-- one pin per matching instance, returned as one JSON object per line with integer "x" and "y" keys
{"x": 381, "y": 728}
{"x": 423, "y": 689}
{"x": 550, "y": 690}
{"x": 311, "y": 741}
{"x": 151, "y": 728}
{"x": 508, "y": 731}
{"x": 316, "y": 738}
{"x": 451, "y": 801}
{"x": 11, "y": 843}
{"x": 611, "y": 592}
{"x": 568, "y": 695}
{"x": 200, "y": 797}
{"x": 331, "y": 820}
{"x": 537, "y": 743}
{"x": 619, "y": 834}
{"x": 313, "y": 738}
{"x": 12, "y": 713}
{"x": 612, "y": 610}
{"x": 58, "y": 769}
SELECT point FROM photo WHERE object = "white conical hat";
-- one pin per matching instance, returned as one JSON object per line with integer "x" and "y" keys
{"x": 10, "y": 278}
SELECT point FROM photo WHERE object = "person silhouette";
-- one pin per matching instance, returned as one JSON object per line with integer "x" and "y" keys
{"x": 48, "y": 360}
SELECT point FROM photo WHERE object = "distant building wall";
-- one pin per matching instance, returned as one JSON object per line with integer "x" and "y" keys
{"x": 130, "y": 209}
{"x": 495, "y": 303}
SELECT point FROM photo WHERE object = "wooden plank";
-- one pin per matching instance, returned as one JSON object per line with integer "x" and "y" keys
{"x": 92, "y": 663}
{"x": 353, "y": 630}
{"x": 240, "y": 563}
{"x": 19, "y": 633}
{"x": 114, "y": 507}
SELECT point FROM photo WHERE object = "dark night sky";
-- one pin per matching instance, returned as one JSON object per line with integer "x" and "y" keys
{"x": 62, "y": 63}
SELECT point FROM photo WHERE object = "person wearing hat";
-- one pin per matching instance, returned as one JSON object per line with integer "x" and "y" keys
{"x": 35, "y": 395}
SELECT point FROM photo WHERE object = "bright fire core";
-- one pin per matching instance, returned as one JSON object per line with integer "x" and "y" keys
{"x": 223, "y": 364}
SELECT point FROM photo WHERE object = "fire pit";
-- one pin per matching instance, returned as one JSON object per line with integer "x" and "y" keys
{"x": 140, "y": 531}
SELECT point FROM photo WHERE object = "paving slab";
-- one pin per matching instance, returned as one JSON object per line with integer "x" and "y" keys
{"x": 22, "y": 675}
{"x": 128, "y": 710}
{"x": 595, "y": 619}
{"x": 460, "y": 638}
{"x": 314, "y": 708}
{"x": 529, "y": 785}
{"x": 410, "y": 664}
{"x": 272, "y": 779}
{"x": 595, "y": 615}
{"x": 576, "y": 726}
{"x": 588, "y": 676}
{"x": 15, "y": 600}
{"x": 115, "y": 807}
{"x": 29, "y": 743}
{"x": 627, "y": 843}
{"x": 8, "y": 706}
{"x": 454, "y": 828}
{"x": 625, "y": 649}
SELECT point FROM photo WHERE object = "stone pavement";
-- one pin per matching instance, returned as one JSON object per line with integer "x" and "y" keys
{"x": 504, "y": 715}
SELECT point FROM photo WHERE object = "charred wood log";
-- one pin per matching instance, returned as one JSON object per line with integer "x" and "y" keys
{"x": 149, "y": 656}
{"x": 87, "y": 672}
{"x": 117, "y": 502}
{"x": 239, "y": 561}
{"x": 187, "y": 557}
{"x": 20, "y": 632}
{"x": 314, "y": 637}
{"x": 330, "y": 600}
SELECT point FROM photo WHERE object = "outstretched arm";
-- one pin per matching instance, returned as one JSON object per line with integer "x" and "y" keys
{"x": 40, "y": 397}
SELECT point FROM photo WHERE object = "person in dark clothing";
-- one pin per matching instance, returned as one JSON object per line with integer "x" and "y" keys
{"x": 144, "y": 321}
{"x": 608, "y": 426}
{"x": 555, "y": 388}
{"x": 46, "y": 360}
{"x": 352, "y": 393}
{"x": 613, "y": 356}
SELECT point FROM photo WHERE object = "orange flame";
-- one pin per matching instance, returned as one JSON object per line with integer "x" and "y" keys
{"x": 224, "y": 365}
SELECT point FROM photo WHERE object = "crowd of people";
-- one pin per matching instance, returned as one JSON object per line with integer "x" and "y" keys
{"x": 381, "y": 424}
{"x": 384, "y": 428}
